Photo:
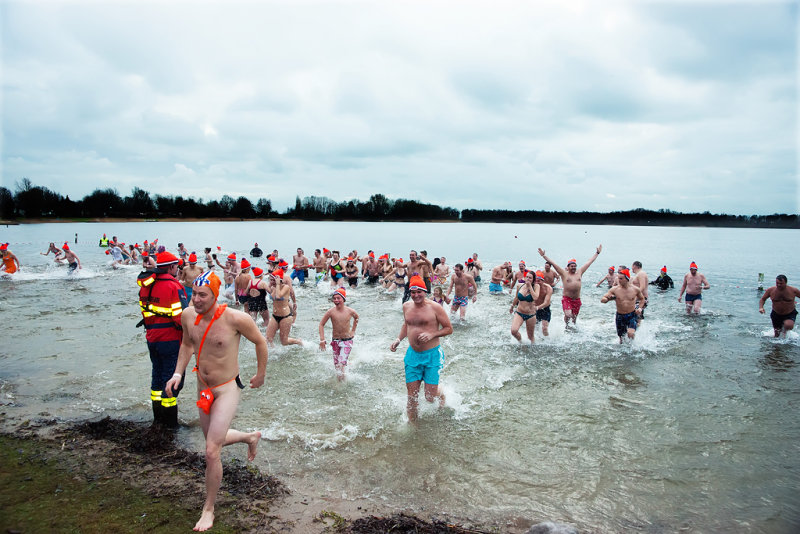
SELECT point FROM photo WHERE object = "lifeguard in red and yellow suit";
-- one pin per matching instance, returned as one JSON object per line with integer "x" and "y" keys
{"x": 162, "y": 300}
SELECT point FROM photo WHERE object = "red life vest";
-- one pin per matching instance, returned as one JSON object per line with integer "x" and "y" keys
{"x": 161, "y": 300}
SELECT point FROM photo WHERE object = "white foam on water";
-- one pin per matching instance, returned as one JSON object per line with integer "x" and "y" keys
{"x": 313, "y": 441}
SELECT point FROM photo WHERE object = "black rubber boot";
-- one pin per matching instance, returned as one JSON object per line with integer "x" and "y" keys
{"x": 158, "y": 413}
{"x": 169, "y": 416}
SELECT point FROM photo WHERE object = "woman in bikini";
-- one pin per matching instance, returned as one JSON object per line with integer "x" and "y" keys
{"x": 281, "y": 320}
{"x": 527, "y": 294}
{"x": 398, "y": 277}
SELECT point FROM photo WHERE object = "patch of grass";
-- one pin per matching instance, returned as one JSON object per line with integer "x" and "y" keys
{"x": 44, "y": 488}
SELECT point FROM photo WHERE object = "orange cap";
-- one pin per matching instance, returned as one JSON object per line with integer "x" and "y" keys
{"x": 258, "y": 271}
{"x": 341, "y": 292}
{"x": 245, "y": 263}
{"x": 417, "y": 282}
{"x": 209, "y": 279}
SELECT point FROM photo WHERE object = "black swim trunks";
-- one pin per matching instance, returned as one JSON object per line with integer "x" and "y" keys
{"x": 778, "y": 319}
{"x": 543, "y": 314}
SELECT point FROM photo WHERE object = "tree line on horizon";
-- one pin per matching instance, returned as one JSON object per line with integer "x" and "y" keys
{"x": 36, "y": 202}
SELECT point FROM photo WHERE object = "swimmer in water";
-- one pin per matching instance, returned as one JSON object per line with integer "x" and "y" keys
{"x": 784, "y": 312}
{"x": 72, "y": 259}
{"x": 610, "y": 278}
{"x": 56, "y": 252}
{"x": 693, "y": 283}
{"x": 282, "y": 313}
{"x": 525, "y": 302}
{"x": 625, "y": 294}
{"x": 571, "y": 276}
{"x": 342, "y": 334}
{"x": 424, "y": 323}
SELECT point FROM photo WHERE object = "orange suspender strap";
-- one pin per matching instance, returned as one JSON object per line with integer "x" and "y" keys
{"x": 220, "y": 310}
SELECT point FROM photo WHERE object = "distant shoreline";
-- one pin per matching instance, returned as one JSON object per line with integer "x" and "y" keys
{"x": 642, "y": 222}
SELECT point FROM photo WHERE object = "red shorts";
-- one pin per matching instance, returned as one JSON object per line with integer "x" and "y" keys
{"x": 571, "y": 304}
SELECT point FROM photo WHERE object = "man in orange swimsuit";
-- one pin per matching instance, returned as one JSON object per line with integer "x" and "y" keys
{"x": 217, "y": 376}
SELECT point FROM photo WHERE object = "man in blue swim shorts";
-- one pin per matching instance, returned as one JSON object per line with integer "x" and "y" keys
{"x": 424, "y": 322}
{"x": 500, "y": 274}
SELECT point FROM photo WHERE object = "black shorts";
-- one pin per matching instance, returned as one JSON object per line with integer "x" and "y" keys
{"x": 778, "y": 319}
{"x": 543, "y": 314}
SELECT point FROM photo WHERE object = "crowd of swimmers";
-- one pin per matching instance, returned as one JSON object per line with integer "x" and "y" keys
{"x": 532, "y": 290}
{"x": 428, "y": 287}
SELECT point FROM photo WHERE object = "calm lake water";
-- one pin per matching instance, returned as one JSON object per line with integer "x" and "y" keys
{"x": 694, "y": 426}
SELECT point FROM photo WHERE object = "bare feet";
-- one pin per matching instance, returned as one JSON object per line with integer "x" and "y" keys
{"x": 206, "y": 521}
{"x": 252, "y": 445}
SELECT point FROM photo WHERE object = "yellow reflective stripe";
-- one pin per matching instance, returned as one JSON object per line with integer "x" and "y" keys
{"x": 168, "y": 402}
{"x": 146, "y": 282}
{"x": 155, "y": 396}
{"x": 159, "y": 309}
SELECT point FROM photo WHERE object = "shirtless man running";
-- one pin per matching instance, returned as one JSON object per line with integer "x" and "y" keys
{"x": 72, "y": 259}
{"x": 571, "y": 298}
{"x": 693, "y": 283}
{"x": 343, "y": 334}
{"x": 421, "y": 266}
{"x": 300, "y": 266}
{"x": 189, "y": 273}
{"x": 641, "y": 281}
{"x": 319, "y": 265}
{"x": 625, "y": 293}
{"x": 610, "y": 278}
{"x": 550, "y": 276}
{"x": 441, "y": 272}
{"x": 499, "y": 275}
{"x": 424, "y": 322}
{"x": 461, "y": 281}
{"x": 783, "y": 313}
{"x": 218, "y": 384}
{"x": 543, "y": 303}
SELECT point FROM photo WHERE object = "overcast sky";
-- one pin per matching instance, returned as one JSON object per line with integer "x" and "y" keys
{"x": 563, "y": 105}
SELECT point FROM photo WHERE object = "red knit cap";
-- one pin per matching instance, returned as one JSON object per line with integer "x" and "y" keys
{"x": 417, "y": 282}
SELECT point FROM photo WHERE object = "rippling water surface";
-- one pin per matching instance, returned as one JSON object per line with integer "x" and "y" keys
{"x": 693, "y": 426}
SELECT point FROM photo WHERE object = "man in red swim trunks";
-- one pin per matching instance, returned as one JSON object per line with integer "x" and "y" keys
{"x": 571, "y": 278}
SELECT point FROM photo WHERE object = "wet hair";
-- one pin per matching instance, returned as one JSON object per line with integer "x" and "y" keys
{"x": 638, "y": 264}
{"x": 317, "y": 250}
{"x": 782, "y": 278}
{"x": 622, "y": 267}
{"x": 208, "y": 249}
{"x": 459, "y": 266}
